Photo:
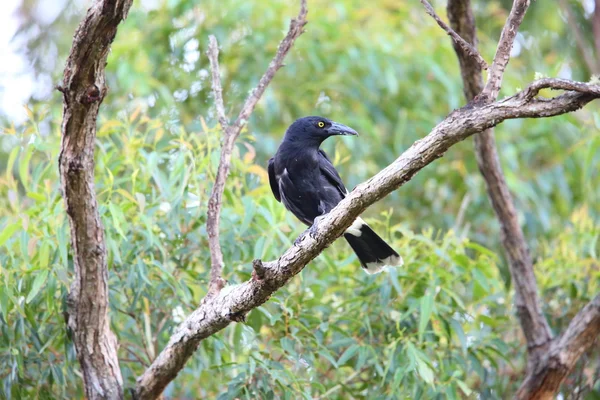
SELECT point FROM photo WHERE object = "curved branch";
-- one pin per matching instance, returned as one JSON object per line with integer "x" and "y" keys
{"x": 231, "y": 133}
{"x": 233, "y": 302}
{"x": 83, "y": 90}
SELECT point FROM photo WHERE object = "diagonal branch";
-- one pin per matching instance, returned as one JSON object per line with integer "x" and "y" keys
{"x": 231, "y": 133}
{"x": 468, "y": 49}
{"x": 502, "y": 57}
{"x": 234, "y": 302}
{"x": 533, "y": 323}
{"x": 83, "y": 90}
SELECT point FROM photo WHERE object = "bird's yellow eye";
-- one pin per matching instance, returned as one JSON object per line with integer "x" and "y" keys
{"x": 320, "y": 124}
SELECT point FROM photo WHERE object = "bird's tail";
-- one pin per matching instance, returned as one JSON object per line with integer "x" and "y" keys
{"x": 372, "y": 251}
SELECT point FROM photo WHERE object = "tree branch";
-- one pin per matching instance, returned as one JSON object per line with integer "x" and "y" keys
{"x": 458, "y": 40}
{"x": 507, "y": 38}
{"x": 83, "y": 89}
{"x": 555, "y": 366}
{"x": 533, "y": 323}
{"x": 218, "y": 311}
{"x": 231, "y": 133}
{"x": 213, "y": 57}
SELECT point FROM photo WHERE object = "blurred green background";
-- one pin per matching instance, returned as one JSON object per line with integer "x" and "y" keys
{"x": 442, "y": 326}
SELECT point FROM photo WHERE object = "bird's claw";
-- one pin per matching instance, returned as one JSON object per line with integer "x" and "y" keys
{"x": 312, "y": 232}
{"x": 300, "y": 238}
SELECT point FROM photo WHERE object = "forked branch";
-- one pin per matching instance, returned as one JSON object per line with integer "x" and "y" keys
{"x": 231, "y": 133}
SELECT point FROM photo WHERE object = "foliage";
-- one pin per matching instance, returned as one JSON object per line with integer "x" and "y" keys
{"x": 441, "y": 326}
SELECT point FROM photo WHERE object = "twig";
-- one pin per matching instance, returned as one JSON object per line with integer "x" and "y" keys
{"x": 296, "y": 29}
{"x": 214, "y": 314}
{"x": 231, "y": 133}
{"x": 213, "y": 57}
{"x": 502, "y": 57}
{"x": 339, "y": 385}
{"x": 144, "y": 363}
{"x": 559, "y": 84}
{"x": 464, "y": 45}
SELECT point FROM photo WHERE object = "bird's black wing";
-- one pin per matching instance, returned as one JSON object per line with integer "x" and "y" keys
{"x": 273, "y": 179}
{"x": 329, "y": 171}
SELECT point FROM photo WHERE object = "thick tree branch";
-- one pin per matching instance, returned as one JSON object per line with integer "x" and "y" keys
{"x": 231, "y": 133}
{"x": 233, "y": 301}
{"x": 83, "y": 90}
{"x": 466, "y": 47}
{"x": 544, "y": 381}
{"x": 533, "y": 323}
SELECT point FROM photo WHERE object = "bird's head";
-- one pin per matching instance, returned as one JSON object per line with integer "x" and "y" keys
{"x": 316, "y": 129}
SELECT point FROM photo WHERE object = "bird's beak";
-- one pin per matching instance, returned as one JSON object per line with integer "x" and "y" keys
{"x": 340, "y": 129}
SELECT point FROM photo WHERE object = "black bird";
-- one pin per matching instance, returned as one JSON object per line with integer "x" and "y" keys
{"x": 303, "y": 178}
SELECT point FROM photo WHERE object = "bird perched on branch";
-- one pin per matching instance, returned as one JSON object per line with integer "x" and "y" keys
{"x": 303, "y": 178}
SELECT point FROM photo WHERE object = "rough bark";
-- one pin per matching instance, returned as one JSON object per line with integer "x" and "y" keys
{"x": 231, "y": 133}
{"x": 83, "y": 89}
{"x": 533, "y": 323}
{"x": 549, "y": 361}
{"x": 544, "y": 381}
{"x": 234, "y": 302}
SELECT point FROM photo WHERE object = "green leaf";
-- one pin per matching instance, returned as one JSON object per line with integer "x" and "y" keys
{"x": 463, "y": 386}
{"x": 8, "y": 232}
{"x": 24, "y": 166}
{"x": 287, "y": 344}
{"x": 348, "y": 354}
{"x": 424, "y": 370}
{"x": 426, "y": 306}
{"x": 38, "y": 282}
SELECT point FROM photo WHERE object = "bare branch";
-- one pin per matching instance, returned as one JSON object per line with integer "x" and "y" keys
{"x": 213, "y": 57}
{"x": 549, "y": 373}
{"x": 558, "y": 84}
{"x": 533, "y": 323}
{"x": 507, "y": 38}
{"x": 220, "y": 310}
{"x": 466, "y": 47}
{"x": 231, "y": 134}
{"x": 83, "y": 90}
{"x": 296, "y": 29}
